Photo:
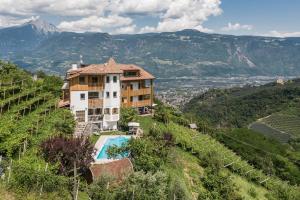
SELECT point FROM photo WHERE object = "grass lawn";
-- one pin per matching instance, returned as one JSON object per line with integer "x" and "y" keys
{"x": 146, "y": 123}
{"x": 94, "y": 138}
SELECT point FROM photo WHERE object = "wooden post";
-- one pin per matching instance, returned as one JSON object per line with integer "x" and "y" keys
{"x": 76, "y": 197}
{"x": 9, "y": 171}
{"x": 75, "y": 182}
{"x": 19, "y": 153}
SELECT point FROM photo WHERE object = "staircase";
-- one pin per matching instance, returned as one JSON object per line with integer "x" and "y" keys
{"x": 83, "y": 129}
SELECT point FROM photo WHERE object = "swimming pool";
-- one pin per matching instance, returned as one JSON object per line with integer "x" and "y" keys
{"x": 110, "y": 141}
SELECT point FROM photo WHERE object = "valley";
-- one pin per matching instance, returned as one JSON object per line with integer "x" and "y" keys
{"x": 177, "y": 91}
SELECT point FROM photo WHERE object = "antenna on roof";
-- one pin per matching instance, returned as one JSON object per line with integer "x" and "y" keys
{"x": 81, "y": 60}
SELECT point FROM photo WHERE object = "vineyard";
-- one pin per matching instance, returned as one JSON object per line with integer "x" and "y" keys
{"x": 206, "y": 149}
{"x": 28, "y": 116}
{"x": 204, "y": 146}
{"x": 289, "y": 124}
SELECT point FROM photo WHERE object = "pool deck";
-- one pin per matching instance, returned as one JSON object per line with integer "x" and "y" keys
{"x": 100, "y": 143}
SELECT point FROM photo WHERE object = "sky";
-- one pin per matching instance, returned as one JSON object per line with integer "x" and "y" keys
{"x": 280, "y": 18}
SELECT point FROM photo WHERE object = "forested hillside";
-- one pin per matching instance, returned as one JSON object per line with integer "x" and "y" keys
{"x": 238, "y": 107}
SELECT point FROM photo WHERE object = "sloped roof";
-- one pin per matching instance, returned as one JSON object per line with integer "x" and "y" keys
{"x": 117, "y": 169}
{"x": 143, "y": 74}
{"x": 193, "y": 126}
{"x": 111, "y": 67}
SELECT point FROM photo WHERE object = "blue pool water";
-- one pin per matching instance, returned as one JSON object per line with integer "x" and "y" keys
{"x": 118, "y": 141}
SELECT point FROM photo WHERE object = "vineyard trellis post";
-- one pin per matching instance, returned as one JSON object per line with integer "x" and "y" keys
{"x": 9, "y": 171}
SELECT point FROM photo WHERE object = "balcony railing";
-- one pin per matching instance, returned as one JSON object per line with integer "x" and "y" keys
{"x": 95, "y": 103}
{"x": 95, "y": 118}
{"x": 137, "y": 103}
{"x": 131, "y": 92}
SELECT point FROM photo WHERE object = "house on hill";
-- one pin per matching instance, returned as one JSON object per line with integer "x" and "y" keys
{"x": 96, "y": 92}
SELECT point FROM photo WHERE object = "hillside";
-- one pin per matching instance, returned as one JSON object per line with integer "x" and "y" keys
{"x": 28, "y": 116}
{"x": 238, "y": 107}
{"x": 169, "y": 54}
{"x": 259, "y": 123}
{"x": 173, "y": 161}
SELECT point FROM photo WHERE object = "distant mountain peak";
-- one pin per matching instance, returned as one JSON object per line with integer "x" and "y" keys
{"x": 42, "y": 26}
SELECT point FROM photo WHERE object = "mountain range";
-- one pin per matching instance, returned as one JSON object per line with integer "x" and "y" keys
{"x": 40, "y": 45}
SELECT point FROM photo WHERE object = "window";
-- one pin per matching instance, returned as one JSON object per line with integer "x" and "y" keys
{"x": 81, "y": 80}
{"x": 115, "y": 94}
{"x": 82, "y": 96}
{"x": 115, "y": 111}
{"x": 115, "y": 79}
{"x": 94, "y": 80}
{"x": 140, "y": 97}
{"x": 107, "y": 79}
{"x": 131, "y": 99}
{"x": 98, "y": 111}
{"x": 107, "y": 94}
{"x": 93, "y": 95}
{"x": 80, "y": 115}
{"x": 107, "y": 111}
{"x": 124, "y": 100}
{"x": 130, "y": 73}
{"x": 131, "y": 86}
{"x": 91, "y": 112}
{"x": 147, "y": 83}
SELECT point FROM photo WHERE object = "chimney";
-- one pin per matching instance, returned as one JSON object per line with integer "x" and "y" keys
{"x": 74, "y": 66}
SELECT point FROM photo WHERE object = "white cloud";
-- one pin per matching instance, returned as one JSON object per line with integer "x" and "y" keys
{"x": 95, "y": 23}
{"x": 116, "y": 16}
{"x": 188, "y": 14}
{"x": 125, "y": 30}
{"x": 236, "y": 27}
{"x": 6, "y": 21}
{"x": 283, "y": 34}
{"x": 138, "y": 6}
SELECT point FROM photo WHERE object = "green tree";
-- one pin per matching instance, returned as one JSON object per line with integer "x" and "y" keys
{"x": 127, "y": 115}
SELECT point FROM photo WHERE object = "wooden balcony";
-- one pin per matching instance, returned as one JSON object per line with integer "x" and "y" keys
{"x": 95, "y": 103}
{"x": 137, "y": 103}
{"x": 88, "y": 84}
{"x": 130, "y": 92}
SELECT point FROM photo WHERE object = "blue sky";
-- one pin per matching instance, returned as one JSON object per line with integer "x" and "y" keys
{"x": 239, "y": 17}
{"x": 264, "y": 15}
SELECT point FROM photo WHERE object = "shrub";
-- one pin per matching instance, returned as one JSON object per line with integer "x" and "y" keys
{"x": 140, "y": 186}
{"x": 127, "y": 115}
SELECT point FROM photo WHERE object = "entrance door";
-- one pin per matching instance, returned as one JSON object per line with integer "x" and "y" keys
{"x": 80, "y": 115}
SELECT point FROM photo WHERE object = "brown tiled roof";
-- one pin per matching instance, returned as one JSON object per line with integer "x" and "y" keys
{"x": 117, "y": 169}
{"x": 143, "y": 74}
{"x": 111, "y": 67}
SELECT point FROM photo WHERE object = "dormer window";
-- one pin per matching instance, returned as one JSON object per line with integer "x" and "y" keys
{"x": 131, "y": 73}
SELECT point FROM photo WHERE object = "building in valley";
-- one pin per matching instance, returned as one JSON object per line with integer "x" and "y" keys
{"x": 96, "y": 92}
